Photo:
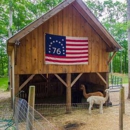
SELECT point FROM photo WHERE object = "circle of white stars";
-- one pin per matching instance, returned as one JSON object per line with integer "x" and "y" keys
{"x": 51, "y": 43}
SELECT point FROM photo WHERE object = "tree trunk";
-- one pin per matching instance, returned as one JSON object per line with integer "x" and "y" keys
{"x": 128, "y": 19}
{"x": 10, "y": 19}
{"x": 10, "y": 33}
{"x": 9, "y": 59}
{"x": 121, "y": 62}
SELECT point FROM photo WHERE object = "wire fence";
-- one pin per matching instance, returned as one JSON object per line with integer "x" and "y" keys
{"x": 81, "y": 119}
{"x": 115, "y": 82}
{"x": 56, "y": 109}
{"x": 27, "y": 118}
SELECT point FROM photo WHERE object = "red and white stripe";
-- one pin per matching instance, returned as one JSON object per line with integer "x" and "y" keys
{"x": 76, "y": 52}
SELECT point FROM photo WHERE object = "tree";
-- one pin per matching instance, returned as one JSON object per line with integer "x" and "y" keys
{"x": 3, "y": 59}
{"x": 128, "y": 19}
{"x": 14, "y": 16}
{"x": 113, "y": 16}
{"x": 3, "y": 37}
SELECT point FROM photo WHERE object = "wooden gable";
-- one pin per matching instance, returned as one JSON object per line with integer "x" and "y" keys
{"x": 70, "y": 18}
{"x": 68, "y": 22}
{"x": 83, "y": 10}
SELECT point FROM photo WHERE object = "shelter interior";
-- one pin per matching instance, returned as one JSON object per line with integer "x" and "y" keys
{"x": 50, "y": 90}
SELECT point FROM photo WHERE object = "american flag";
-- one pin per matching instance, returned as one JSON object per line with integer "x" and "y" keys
{"x": 64, "y": 50}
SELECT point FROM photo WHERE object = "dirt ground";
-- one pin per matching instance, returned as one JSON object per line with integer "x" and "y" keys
{"x": 4, "y": 95}
{"x": 81, "y": 120}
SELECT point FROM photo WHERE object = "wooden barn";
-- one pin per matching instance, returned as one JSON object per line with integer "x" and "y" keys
{"x": 51, "y": 71}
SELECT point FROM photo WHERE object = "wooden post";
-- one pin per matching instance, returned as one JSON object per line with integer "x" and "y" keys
{"x": 108, "y": 102}
{"x": 68, "y": 93}
{"x": 16, "y": 84}
{"x": 123, "y": 99}
{"x": 121, "y": 111}
{"x": 31, "y": 103}
{"x": 16, "y": 88}
{"x": 10, "y": 83}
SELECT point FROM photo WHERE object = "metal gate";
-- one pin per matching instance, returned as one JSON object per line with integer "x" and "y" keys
{"x": 115, "y": 84}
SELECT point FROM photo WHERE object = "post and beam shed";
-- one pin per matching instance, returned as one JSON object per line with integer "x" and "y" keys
{"x": 27, "y": 51}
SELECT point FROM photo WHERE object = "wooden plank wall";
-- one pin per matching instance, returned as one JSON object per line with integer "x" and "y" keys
{"x": 93, "y": 78}
{"x": 68, "y": 22}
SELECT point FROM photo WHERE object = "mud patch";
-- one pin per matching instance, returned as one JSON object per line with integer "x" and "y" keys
{"x": 72, "y": 125}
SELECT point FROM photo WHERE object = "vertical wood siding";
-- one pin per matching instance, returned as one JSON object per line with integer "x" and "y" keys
{"x": 68, "y": 22}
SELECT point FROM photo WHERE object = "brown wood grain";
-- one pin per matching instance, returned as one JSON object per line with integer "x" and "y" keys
{"x": 69, "y": 22}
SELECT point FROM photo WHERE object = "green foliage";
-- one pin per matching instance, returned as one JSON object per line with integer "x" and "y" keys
{"x": 26, "y": 11}
{"x": 3, "y": 83}
{"x": 3, "y": 36}
{"x": 128, "y": 24}
{"x": 113, "y": 16}
{"x": 23, "y": 12}
{"x": 96, "y": 7}
{"x": 3, "y": 59}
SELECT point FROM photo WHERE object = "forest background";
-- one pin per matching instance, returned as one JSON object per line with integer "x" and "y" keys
{"x": 16, "y": 14}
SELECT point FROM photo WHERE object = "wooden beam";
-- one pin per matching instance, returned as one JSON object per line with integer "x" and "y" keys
{"x": 102, "y": 78}
{"x": 26, "y": 81}
{"x": 44, "y": 77}
{"x": 31, "y": 102}
{"x": 112, "y": 49}
{"x": 68, "y": 93}
{"x": 76, "y": 79}
{"x": 31, "y": 97}
{"x": 114, "y": 53}
{"x": 15, "y": 54}
{"x": 9, "y": 49}
{"x": 10, "y": 83}
{"x": 121, "y": 111}
{"x": 107, "y": 80}
{"x": 61, "y": 80}
{"x": 123, "y": 99}
{"x": 16, "y": 84}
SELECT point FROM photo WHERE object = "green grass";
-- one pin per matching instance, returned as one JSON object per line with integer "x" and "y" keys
{"x": 125, "y": 79}
{"x": 3, "y": 83}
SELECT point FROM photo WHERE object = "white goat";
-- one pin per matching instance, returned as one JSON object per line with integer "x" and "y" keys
{"x": 97, "y": 100}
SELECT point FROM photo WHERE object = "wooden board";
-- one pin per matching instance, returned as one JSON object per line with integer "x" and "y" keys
{"x": 68, "y": 22}
{"x": 34, "y": 51}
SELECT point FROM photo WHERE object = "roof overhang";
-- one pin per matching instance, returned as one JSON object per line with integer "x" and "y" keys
{"x": 19, "y": 35}
{"x": 112, "y": 45}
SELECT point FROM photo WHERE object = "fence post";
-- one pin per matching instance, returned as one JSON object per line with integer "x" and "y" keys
{"x": 121, "y": 108}
{"x": 16, "y": 111}
{"x": 123, "y": 99}
{"x": 31, "y": 103}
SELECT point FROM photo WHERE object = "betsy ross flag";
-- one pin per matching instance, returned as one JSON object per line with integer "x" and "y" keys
{"x": 64, "y": 50}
